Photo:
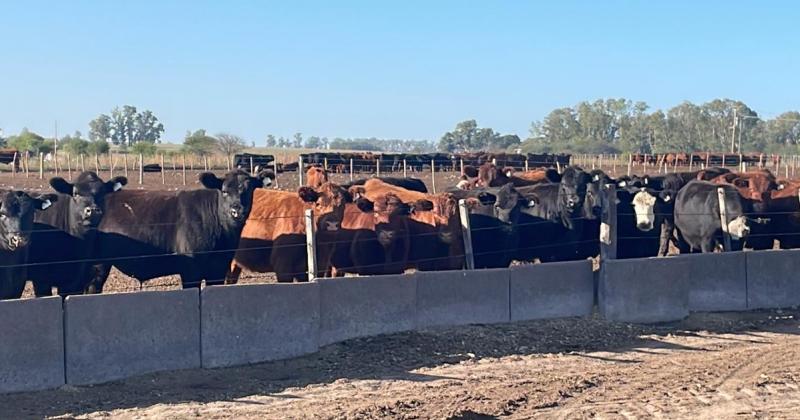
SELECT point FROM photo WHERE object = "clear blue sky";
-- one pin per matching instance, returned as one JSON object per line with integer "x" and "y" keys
{"x": 402, "y": 69}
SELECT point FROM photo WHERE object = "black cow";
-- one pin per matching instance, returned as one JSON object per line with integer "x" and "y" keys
{"x": 411, "y": 184}
{"x": 16, "y": 223}
{"x": 493, "y": 215}
{"x": 697, "y": 216}
{"x": 644, "y": 222}
{"x": 551, "y": 224}
{"x": 149, "y": 234}
{"x": 63, "y": 242}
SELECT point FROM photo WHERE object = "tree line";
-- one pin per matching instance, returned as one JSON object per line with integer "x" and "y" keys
{"x": 603, "y": 126}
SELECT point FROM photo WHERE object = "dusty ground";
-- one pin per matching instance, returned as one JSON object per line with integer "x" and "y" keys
{"x": 736, "y": 365}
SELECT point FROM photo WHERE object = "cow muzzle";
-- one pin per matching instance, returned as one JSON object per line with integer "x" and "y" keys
{"x": 16, "y": 242}
{"x": 644, "y": 227}
{"x": 738, "y": 228}
{"x": 331, "y": 226}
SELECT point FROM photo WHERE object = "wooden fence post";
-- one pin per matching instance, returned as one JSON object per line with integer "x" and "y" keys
{"x": 311, "y": 245}
{"x": 691, "y": 161}
{"x": 83, "y": 162}
{"x": 252, "y": 168}
{"x": 377, "y": 167}
{"x": 125, "y": 162}
{"x": 141, "y": 169}
{"x": 466, "y": 233}
{"x": 41, "y": 165}
{"x": 110, "y": 164}
{"x": 275, "y": 170}
{"x": 461, "y": 165}
{"x": 351, "y": 169}
{"x": 300, "y": 170}
{"x": 183, "y": 168}
{"x": 527, "y": 165}
{"x": 723, "y": 219}
{"x": 433, "y": 176}
{"x": 14, "y": 166}
{"x": 69, "y": 166}
{"x": 630, "y": 163}
{"x": 163, "y": 169}
{"x": 96, "y": 164}
{"x": 27, "y": 163}
{"x": 608, "y": 225}
{"x": 405, "y": 173}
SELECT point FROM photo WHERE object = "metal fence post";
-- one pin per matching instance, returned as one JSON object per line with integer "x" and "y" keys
{"x": 310, "y": 245}
{"x": 723, "y": 219}
{"x": 300, "y": 170}
{"x": 405, "y": 174}
{"x": 141, "y": 169}
{"x": 466, "y": 234}
{"x": 433, "y": 176}
{"x": 351, "y": 169}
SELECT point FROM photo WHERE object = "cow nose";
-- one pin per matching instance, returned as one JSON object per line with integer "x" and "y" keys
{"x": 91, "y": 211}
{"x": 16, "y": 241}
{"x": 331, "y": 226}
{"x": 644, "y": 226}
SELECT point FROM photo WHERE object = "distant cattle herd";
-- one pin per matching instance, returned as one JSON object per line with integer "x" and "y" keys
{"x": 70, "y": 239}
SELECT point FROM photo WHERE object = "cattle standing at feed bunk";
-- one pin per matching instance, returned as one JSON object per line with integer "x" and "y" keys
{"x": 149, "y": 234}
{"x": 64, "y": 238}
{"x": 697, "y": 210}
{"x": 274, "y": 237}
{"x": 16, "y": 223}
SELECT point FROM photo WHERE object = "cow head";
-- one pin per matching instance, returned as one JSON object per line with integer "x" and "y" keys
{"x": 391, "y": 217}
{"x": 644, "y": 207}
{"x": 328, "y": 201}
{"x": 572, "y": 189}
{"x": 738, "y": 228}
{"x": 236, "y": 190}
{"x": 316, "y": 175}
{"x": 86, "y": 198}
{"x": 16, "y": 217}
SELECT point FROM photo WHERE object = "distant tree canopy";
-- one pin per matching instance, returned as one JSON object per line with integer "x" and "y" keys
{"x": 468, "y": 137}
{"x": 230, "y": 144}
{"x": 199, "y": 143}
{"x": 621, "y": 125}
{"x": 126, "y": 127}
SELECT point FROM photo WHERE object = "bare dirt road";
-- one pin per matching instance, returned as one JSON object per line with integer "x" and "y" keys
{"x": 744, "y": 365}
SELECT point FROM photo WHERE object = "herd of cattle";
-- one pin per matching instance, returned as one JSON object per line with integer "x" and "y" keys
{"x": 70, "y": 239}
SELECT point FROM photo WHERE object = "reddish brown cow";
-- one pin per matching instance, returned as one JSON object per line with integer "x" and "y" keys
{"x": 756, "y": 186}
{"x": 434, "y": 228}
{"x": 273, "y": 238}
{"x": 316, "y": 176}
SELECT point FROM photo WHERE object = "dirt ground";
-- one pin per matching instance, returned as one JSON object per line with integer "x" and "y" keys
{"x": 709, "y": 366}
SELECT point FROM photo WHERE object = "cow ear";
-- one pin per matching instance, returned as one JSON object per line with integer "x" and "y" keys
{"x": 666, "y": 196}
{"x": 61, "y": 185}
{"x": 357, "y": 191}
{"x": 44, "y": 201}
{"x": 365, "y": 205}
{"x": 116, "y": 184}
{"x": 308, "y": 194}
{"x": 266, "y": 176}
{"x": 622, "y": 184}
{"x": 210, "y": 181}
{"x": 422, "y": 205}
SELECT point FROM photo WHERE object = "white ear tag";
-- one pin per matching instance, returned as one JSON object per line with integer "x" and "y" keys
{"x": 117, "y": 186}
{"x": 46, "y": 204}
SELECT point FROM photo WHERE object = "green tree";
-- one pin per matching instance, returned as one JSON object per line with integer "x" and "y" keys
{"x": 126, "y": 126}
{"x": 144, "y": 148}
{"x": 97, "y": 147}
{"x": 297, "y": 140}
{"x": 467, "y": 137}
{"x": 199, "y": 143}
{"x": 271, "y": 142}
{"x": 26, "y": 141}
{"x": 313, "y": 142}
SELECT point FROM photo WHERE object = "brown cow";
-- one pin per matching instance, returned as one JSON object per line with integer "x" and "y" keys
{"x": 273, "y": 238}
{"x": 316, "y": 175}
{"x": 434, "y": 228}
{"x": 756, "y": 188}
{"x": 489, "y": 175}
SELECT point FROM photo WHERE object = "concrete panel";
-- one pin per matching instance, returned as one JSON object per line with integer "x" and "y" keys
{"x": 551, "y": 290}
{"x": 717, "y": 282}
{"x": 31, "y": 344}
{"x": 644, "y": 289}
{"x": 116, "y": 336}
{"x": 773, "y": 279}
{"x": 363, "y": 306}
{"x": 258, "y": 322}
{"x": 462, "y": 297}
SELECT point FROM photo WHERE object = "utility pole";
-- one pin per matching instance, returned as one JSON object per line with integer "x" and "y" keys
{"x": 733, "y": 132}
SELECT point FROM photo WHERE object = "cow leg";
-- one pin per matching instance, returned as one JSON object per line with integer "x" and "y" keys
{"x": 663, "y": 241}
{"x": 42, "y": 289}
{"x": 99, "y": 276}
{"x": 708, "y": 246}
{"x": 232, "y": 277}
